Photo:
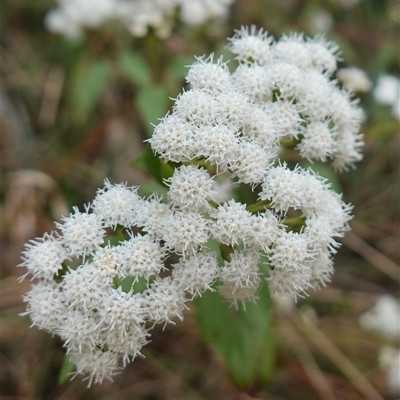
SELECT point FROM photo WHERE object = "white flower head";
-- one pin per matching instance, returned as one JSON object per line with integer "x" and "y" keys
{"x": 164, "y": 300}
{"x": 106, "y": 263}
{"x": 44, "y": 257}
{"x": 254, "y": 81}
{"x": 184, "y": 231}
{"x": 84, "y": 289}
{"x": 122, "y": 311}
{"x": 207, "y": 75}
{"x": 190, "y": 188}
{"x": 289, "y": 282}
{"x": 291, "y": 252}
{"x": 116, "y": 204}
{"x": 231, "y": 223}
{"x": 219, "y": 145}
{"x": 324, "y": 54}
{"x": 173, "y": 139}
{"x": 96, "y": 363}
{"x": 140, "y": 256}
{"x": 292, "y": 49}
{"x": 196, "y": 273}
{"x": 248, "y": 45}
{"x": 318, "y": 141}
{"x": 46, "y": 306}
{"x": 252, "y": 163}
{"x": 151, "y": 214}
{"x": 240, "y": 277}
{"x": 196, "y": 106}
{"x": 286, "y": 78}
{"x": 81, "y": 232}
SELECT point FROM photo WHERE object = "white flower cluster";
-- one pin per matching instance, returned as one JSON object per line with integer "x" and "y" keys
{"x": 280, "y": 90}
{"x": 102, "y": 296}
{"x": 138, "y": 15}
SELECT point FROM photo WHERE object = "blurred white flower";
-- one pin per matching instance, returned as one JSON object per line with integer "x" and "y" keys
{"x": 72, "y": 16}
{"x": 354, "y": 79}
{"x": 389, "y": 361}
{"x": 383, "y": 317}
{"x": 387, "y": 92}
{"x": 321, "y": 21}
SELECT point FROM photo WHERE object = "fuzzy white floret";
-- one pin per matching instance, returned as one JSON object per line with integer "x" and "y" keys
{"x": 288, "y": 118}
{"x": 318, "y": 142}
{"x": 321, "y": 270}
{"x": 286, "y": 78}
{"x": 231, "y": 108}
{"x": 283, "y": 187}
{"x": 248, "y": 45}
{"x": 320, "y": 233}
{"x": 219, "y": 145}
{"x": 46, "y": 306}
{"x": 151, "y": 214}
{"x": 122, "y": 311}
{"x": 84, "y": 289}
{"x": 291, "y": 252}
{"x": 314, "y": 96}
{"x": 43, "y": 257}
{"x": 293, "y": 50}
{"x": 263, "y": 232}
{"x": 173, "y": 139}
{"x": 289, "y": 282}
{"x": 240, "y": 277}
{"x": 252, "y": 162}
{"x": 184, "y": 232}
{"x": 82, "y": 233}
{"x": 106, "y": 263}
{"x": 83, "y": 330}
{"x": 207, "y": 75}
{"x": 116, "y": 204}
{"x": 96, "y": 363}
{"x": 195, "y": 274}
{"x": 261, "y": 125}
{"x": 140, "y": 256}
{"x": 196, "y": 106}
{"x": 324, "y": 54}
{"x": 254, "y": 81}
{"x": 129, "y": 344}
{"x": 231, "y": 223}
{"x": 164, "y": 300}
{"x": 190, "y": 188}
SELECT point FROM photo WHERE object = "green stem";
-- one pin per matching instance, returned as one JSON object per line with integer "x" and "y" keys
{"x": 261, "y": 205}
{"x": 119, "y": 231}
{"x": 295, "y": 224}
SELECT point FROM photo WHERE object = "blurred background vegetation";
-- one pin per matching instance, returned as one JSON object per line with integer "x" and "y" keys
{"x": 76, "y": 111}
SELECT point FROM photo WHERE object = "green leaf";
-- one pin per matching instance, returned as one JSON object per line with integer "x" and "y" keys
{"x": 243, "y": 338}
{"x": 67, "y": 367}
{"x": 135, "y": 68}
{"x": 89, "y": 80}
{"x": 151, "y": 103}
{"x": 180, "y": 67}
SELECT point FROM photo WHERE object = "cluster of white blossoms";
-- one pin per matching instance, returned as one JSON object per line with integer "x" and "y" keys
{"x": 126, "y": 263}
{"x": 138, "y": 15}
